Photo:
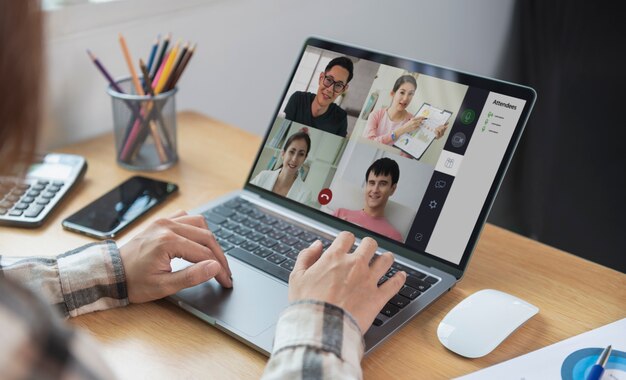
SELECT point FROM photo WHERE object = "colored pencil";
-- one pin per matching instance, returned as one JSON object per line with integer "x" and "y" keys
{"x": 183, "y": 65}
{"x": 157, "y": 63}
{"x": 134, "y": 109}
{"x": 139, "y": 90}
{"x": 179, "y": 59}
{"x": 104, "y": 72}
{"x": 165, "y": 79}
{"x": 137, "y": 135}
{"x": 153, "y": 51}
{"x": 167, "y": 69}
{"x": 146, "y": 74}
{"x": 157, "y": 76}
{"x": 150, "y": 91}
{"x": 131, "y": 67}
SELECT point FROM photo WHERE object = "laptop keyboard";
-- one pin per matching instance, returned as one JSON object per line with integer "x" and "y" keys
{"x": 272, "y": 244}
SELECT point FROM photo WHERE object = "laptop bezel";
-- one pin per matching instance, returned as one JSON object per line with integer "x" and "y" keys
{"x": 488, "y": 84}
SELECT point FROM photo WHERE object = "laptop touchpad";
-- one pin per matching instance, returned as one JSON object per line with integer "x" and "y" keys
{"x": 252, "y": 306}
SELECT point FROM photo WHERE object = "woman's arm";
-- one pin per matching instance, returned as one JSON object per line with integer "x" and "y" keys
{"x": 98, "y": 276}
{"x": 36, "y": 344}
{"x": 316, "y": 340}
{"x": 372, "y": 131}
{"x": 80, "y": 281}
{"x": 335, "y": 298}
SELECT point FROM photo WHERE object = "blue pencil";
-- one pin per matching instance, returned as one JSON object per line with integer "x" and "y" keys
{"x": 157, "y": 63}
{"x": 155, "y": 46}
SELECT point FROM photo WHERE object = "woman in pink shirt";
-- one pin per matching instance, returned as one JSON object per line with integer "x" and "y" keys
{"x": 387, "y": 124}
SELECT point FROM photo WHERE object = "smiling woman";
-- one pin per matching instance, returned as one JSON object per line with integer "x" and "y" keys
{"x": 286, "y": 179}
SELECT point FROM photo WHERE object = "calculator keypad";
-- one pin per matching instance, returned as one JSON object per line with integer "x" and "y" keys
{"x": 28, "y": 198}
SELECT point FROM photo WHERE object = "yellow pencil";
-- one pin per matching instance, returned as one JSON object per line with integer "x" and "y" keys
{"x": 167, "y": 69}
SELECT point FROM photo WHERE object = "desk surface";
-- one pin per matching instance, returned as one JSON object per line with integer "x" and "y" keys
{"x": 158, "y": 340}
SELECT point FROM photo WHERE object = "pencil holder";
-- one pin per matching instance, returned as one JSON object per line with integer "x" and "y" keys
{"x": 145, "y": 128}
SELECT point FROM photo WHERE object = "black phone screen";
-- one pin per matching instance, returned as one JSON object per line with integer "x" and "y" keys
{"x": 116, "y": 209}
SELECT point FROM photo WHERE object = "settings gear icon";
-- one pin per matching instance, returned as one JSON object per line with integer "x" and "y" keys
{"x": 432, "y": 205}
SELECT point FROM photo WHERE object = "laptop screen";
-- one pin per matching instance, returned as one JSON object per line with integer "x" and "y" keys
{"x": 407, "y": 151}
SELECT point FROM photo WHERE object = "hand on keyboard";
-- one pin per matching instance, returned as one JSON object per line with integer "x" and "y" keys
{"x": 147, "y": 257}
{"x": 345, "y": 280}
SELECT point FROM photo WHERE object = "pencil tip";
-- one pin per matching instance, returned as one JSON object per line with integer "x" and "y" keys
{"x": 90, "y": 54}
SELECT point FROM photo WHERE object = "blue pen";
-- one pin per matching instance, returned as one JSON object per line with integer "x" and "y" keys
{"x": 598, "y": 369}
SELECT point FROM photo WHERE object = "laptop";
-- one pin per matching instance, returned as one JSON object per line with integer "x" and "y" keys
{"x": 432, "y": 217}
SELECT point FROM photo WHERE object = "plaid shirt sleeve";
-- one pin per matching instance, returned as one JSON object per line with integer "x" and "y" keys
{"x": 36, "y": 344}
{"x": 316, "y": 340}
{"x": 80, "y": 281}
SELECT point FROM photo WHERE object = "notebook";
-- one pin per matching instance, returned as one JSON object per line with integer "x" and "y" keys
{"x": 328, "y": 163}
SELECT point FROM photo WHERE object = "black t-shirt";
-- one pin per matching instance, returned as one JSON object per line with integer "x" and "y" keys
{"x": 334, "y": 120}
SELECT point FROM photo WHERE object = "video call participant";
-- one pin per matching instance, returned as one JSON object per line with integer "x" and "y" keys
{"x": 318, "y": 110}
{"x": 286, "y": 180}
{"x": 387, "y": 124}
{"x": 382, "y": 179}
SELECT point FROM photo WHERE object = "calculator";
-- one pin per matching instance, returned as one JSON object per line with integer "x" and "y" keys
{"x": 28, "y": 201}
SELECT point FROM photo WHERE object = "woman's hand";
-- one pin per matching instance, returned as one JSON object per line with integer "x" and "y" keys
{"x": 146, "y": 258}
{"x": 345, "y": 280}
{"x": 410, "y": 126}
{"x": 440, "y": 130}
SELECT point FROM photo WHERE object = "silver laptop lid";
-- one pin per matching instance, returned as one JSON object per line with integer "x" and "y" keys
{"x": 408, "y": 152}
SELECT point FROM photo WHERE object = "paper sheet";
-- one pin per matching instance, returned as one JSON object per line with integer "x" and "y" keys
{"x": 417, "y": 142}
{"x": 569, "y": 359}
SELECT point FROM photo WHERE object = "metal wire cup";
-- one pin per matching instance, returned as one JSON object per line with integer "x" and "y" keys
{"x": 145, "y": 128}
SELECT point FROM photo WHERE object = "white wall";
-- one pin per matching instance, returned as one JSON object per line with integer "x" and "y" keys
{"x": 246, "y": 48}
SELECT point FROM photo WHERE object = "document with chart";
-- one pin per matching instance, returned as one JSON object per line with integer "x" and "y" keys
{"x": 416, "y": 142}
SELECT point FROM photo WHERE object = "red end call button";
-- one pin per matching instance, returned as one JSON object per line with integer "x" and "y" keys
{"x": 325, "y": 196}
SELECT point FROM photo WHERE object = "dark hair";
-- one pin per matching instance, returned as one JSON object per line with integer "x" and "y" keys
{"x": 385, "y": 166}
{"x": 20, "y": 73}
{"x": 299, "y": 136}
{"x": 402, "y": 80}
{"x": 344, "y": 62}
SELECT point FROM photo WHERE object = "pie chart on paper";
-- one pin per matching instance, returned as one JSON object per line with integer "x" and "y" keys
{"x": 577, "y": 364}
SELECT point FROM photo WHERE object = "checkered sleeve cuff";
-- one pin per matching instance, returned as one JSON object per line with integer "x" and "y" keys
{"x": 92, "y": 278}
{"x": 320, "y": 326}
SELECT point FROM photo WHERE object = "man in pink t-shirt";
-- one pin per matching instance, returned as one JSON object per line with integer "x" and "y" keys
{"x": 381, "y": 181}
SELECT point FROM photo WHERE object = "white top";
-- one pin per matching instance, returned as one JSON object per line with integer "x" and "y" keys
{"x": 298, "y": 191}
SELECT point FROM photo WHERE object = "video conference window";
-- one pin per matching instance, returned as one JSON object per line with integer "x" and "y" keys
{"x": 359, "y": 140}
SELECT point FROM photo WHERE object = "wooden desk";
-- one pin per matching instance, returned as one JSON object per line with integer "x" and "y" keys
{"x": 159, "y": 341}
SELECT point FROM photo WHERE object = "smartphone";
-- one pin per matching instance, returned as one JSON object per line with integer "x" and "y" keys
{"x": 111, "y": 213}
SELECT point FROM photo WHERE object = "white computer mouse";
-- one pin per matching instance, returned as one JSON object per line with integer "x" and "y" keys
{"x": 480, "y": 322}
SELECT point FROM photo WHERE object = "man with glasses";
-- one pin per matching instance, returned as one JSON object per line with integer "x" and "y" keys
{"x": 318, "y": 110}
